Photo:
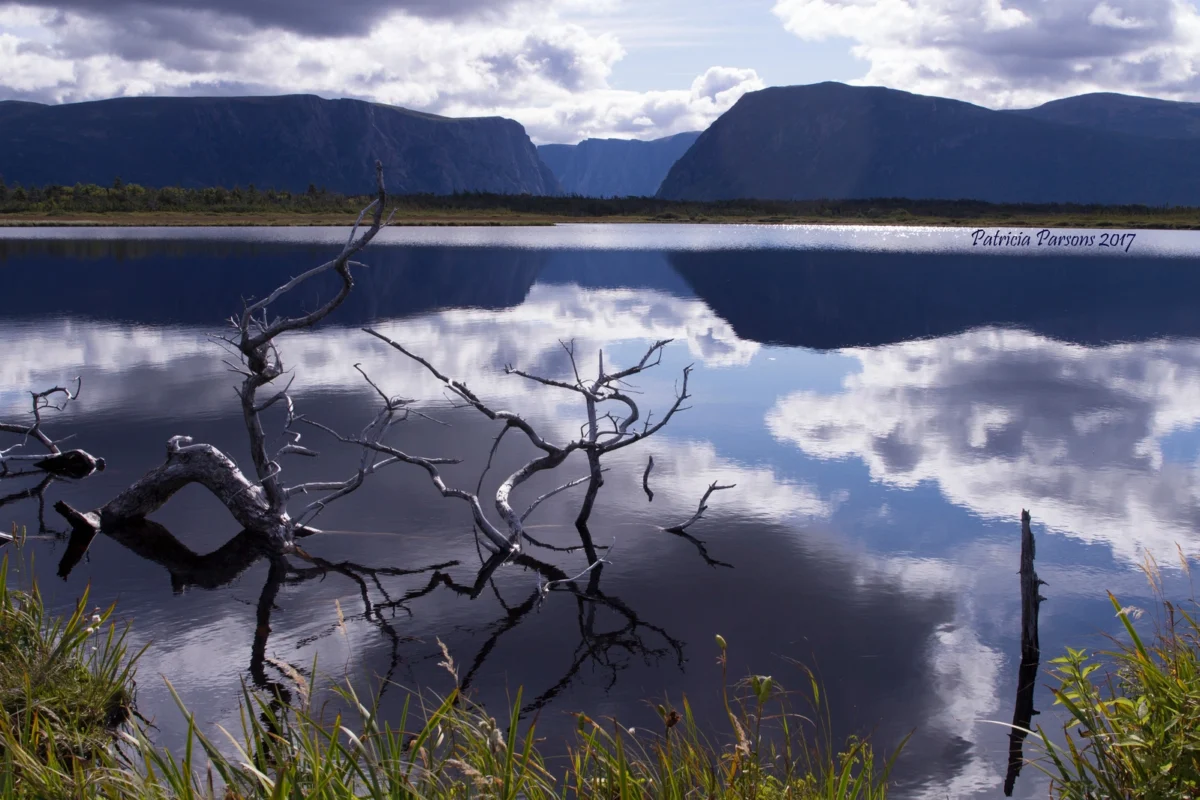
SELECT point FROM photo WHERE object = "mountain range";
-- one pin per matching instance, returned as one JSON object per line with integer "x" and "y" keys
{"x": 832, "y": 141}
{"x": 820, "y": 141}
{"x": 615, "y": 167}
{"x": 286, "y": 142}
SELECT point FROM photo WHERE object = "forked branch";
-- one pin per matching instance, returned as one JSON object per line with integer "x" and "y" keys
{"x": 713, "y": 487}
{"x": 71, "y": 464}
{"x": 260, "y": 504}
{"x": 594, "y": 440}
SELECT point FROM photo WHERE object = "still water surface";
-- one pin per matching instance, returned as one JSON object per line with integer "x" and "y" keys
{"x": 886, "y": 401}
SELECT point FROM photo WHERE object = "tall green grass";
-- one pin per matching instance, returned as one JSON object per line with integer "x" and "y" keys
{"x": 1133, "y": 712}
{"x": 66, "y": 732}
{"x": 65, "y": 686}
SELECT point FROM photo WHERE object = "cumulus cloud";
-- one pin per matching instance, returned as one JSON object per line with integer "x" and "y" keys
{"x": 1003, "y": 420}
{"x": 1013, "y": 52}
{"x": 520, "y": 60}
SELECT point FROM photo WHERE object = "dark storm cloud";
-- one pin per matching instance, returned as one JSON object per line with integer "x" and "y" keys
{"x": 180, "y": 40}
{"x": 322, "y": 18}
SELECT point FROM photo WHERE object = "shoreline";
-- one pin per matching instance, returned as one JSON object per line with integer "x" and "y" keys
{"x": 187, "y": 220}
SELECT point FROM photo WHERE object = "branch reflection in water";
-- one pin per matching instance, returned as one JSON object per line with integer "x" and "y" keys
{"x": 607, "y": 647}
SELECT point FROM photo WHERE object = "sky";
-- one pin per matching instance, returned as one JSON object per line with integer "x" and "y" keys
{"x": 572, "y": 69}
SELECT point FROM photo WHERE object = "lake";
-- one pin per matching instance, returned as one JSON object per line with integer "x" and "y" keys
{"x": 887, "y": 401}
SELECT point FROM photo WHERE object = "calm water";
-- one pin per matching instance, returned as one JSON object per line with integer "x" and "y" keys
{"x": 886, "y": 401}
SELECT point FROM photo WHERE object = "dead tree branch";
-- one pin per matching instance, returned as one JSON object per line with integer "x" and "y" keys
{"x": 594, "y": 441}
{"x": 260, "y": 504}
{"x": 1031, "y": 654}
{"x": 69, "y": 464}
{"x": 713, "y": 487}
{"x": 497, "y": 540}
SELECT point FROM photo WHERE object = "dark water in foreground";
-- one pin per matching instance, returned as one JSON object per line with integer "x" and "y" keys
{"x": 886, "y": 401}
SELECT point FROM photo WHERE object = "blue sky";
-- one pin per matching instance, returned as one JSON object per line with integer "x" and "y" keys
{"x": 665, "y": 44}
{"x": 571, "y": 69}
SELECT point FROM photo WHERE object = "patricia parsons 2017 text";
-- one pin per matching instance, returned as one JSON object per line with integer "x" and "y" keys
{"x": 1048, "y": 238}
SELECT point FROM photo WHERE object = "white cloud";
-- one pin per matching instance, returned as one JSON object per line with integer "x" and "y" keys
{"x": 1012, "y": 52}
{"x": 526, "y": 63}
{"x": 110, "y": 355}
{"x": 1004, "y": 420}
{"x": 1107, "y": 16}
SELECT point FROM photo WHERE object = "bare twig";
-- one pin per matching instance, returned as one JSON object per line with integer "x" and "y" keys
{"x": 71, "y": 464}
{"x": 546, "y": 587}
{"x": 491, "y": 455}
{"x": 460, "y": 389}
{"x": 646, "y": 480}
{"x": 713, "y": 487}
{"x": 602, "y": 433}
{"x": 497, "y": 540}
{"x": 553, "y": 492}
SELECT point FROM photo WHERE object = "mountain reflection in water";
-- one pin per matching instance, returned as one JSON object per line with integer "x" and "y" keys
{"x": 885, "y": 416}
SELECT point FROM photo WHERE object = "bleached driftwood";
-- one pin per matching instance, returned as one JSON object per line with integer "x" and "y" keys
{"x": 187, "y": 463}
{"x": 260, "y": 504}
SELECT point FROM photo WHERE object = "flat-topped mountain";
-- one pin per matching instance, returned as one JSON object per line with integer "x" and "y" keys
{"x": 830, "y": 140}
{"x": 286, "y": 142}
{"x": 615, "y": 167}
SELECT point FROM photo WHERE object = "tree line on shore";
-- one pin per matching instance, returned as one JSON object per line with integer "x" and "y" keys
{"x": 122, "y": 197}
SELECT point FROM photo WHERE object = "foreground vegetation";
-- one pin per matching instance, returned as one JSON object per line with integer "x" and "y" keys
{"x": 1133, "y": 729}
{"x": 131, "y": 204}
{"x": 66, "y": 732}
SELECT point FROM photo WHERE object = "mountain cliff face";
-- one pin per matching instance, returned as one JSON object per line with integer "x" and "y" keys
{"x": 1139, "y": 116}
{"x": 282, "y": 142}
{"x": 615, "y": 167}
{"x": 834, "y": 141}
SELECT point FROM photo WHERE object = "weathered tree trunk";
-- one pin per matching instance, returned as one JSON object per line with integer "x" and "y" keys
{"x": 186, "y": 464}
{"x": 1031, "y": 654}
{"x": 259, "y": 507}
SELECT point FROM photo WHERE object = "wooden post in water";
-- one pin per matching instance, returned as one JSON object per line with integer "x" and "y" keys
{"x": 1031, "y": 655}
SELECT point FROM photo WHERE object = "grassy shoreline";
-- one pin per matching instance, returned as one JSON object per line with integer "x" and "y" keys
{"x": 66, "y": 730}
